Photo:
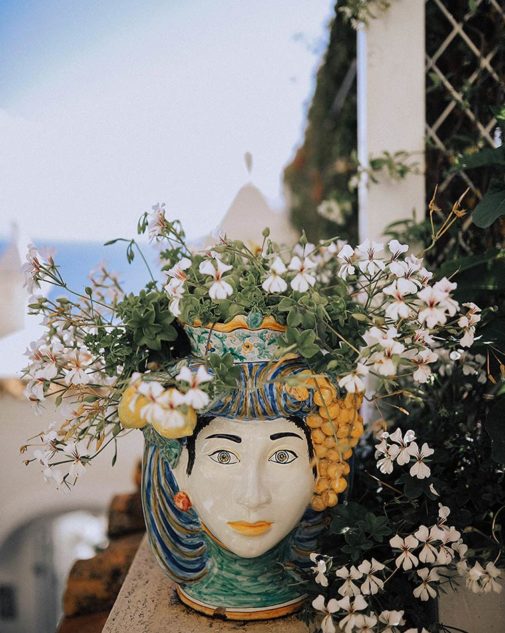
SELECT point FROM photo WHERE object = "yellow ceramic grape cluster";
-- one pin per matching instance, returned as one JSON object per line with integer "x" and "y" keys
{"x": 335, "y": 431}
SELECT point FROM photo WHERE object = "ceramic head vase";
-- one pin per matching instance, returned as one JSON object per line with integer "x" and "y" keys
{"x": 231, "y": 506}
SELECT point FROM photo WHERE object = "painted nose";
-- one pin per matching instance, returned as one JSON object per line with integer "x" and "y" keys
{"x": 252, "y": 492}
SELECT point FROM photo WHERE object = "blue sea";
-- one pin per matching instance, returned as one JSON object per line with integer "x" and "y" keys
{"x": 77, "y": 259}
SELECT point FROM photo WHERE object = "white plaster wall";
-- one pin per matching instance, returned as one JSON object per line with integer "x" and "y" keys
{"x": 391, "y": 111}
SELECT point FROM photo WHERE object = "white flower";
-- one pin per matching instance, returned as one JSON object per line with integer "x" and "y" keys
{"x": 274, "y": 282}
{"x": 425, "y": 591}
{"x": 219, "y": 289}
{"x": 35, "y": 389}
{"x": 384, "y": 362}
{"x": 365, "y": 623}
{"x": 177, "y": 270}
{"x": 460, "y": 548}
{"x": 445, "y": 554}
{"x": 304, "y": 251}
{"x": 468, "y": 337}
{"x": 422, "y": 360}
{"x": 352, "y": 607}
{"x": 423, "y": 630}
{"x": 428, "y": 553}
{"x": 303, "y": 280}
{"x": 175, "y": 289}
{"x": 375, "y": 335}
{"x": 407, "y": 560}
{"x": 327, "y": 624}
{"x": 162, "y": 410}
{"x": 432, "y": 311}
{"x": 397, "y": 309}
{"x": 372, "y": 584}
{"x": 408, "y": 271}
{"x": 195, "y": 397}
{"x": 396, "y": 248}
{"x": 353, "y": 382}
{"x": 319, "y": 570}
{"x": 433, "y": 490}
{"x": 348, "y": 588}
{"x": 157, "y": 222}
{"x": 468, "y": 323}
{"x": 77, "y": 361}
{"x": 77, "y": 467}
{"x": 419, "y": 469}
{"x": 403, "y": 456}
{"x": 346, "y": 254}
{"x": 422, "y": 337}
{"x": 391, "y": 619}
{"x": 446, "y": 287}
{"x": 443, "y": 513}
{"x": 45, "y": 359}
{"x": 488, "y": 579}
{"x": 390, "y": 452}
{"x": 32, "y": 268}
{"x": 156, "y": 395}
{"x": 473, "y": 577}
{"x": 369, "y": 261}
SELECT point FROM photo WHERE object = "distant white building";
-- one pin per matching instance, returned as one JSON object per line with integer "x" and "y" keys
{"x": 250, "y": 213}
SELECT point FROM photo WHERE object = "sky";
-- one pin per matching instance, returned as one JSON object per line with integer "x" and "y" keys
{"x": 107, "y": 108}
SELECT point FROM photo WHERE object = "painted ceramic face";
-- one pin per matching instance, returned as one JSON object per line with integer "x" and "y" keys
{"x": 250, "y": 483}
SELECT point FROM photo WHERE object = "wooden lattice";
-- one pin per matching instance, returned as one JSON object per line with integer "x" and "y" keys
{"x": 465, "y": 78}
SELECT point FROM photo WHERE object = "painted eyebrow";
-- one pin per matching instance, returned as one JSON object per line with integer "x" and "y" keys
{"x": 225, "y": 436}
{"x": 277, "y": 436}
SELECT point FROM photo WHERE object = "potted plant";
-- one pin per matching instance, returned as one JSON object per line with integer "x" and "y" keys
{"x": 246, "y": 370}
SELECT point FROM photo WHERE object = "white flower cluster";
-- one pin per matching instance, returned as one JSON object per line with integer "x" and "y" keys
{"x": 396, "y": 291}
{"x": 352, "y": 620}
{"x": 162, "y": 408}
{"x": 438, "y": 548}
{"x": 67, "y": 453}
{"x": 403, "y": 450}
{"x": 407, "y": 311}
{"x": 61, "y": 357}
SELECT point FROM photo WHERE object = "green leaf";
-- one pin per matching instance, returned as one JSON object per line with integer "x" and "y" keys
{"x": 294, "y": 318}
{"x": 377, "y": 527}
{"x": 491, "y": 207}
{"x": 484, "y": 158}
{"x": 413, "y": 487}
{"x": 461, "y": 264}
{"x": 346, "y": 516}
{"x": 285, "y": 304}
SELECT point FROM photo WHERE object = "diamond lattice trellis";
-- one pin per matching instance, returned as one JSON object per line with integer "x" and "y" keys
{"x": 465, "y": 76}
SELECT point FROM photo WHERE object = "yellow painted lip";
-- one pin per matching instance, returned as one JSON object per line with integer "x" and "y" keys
{"x": 250, "y": 529}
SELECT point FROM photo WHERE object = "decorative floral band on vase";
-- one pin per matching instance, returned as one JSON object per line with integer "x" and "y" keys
{"x": 247, "y": 339}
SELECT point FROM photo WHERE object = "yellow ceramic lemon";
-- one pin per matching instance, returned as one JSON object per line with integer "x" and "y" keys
{"x": 176, "y": 424}
{"x": 131, "y": 419}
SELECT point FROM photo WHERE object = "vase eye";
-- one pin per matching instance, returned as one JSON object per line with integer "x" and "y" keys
{"x": 283, "y": 456}
{"x": 224, "y": 457}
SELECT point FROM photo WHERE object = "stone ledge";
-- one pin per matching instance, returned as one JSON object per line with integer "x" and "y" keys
{"x": 147, "y": 603}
